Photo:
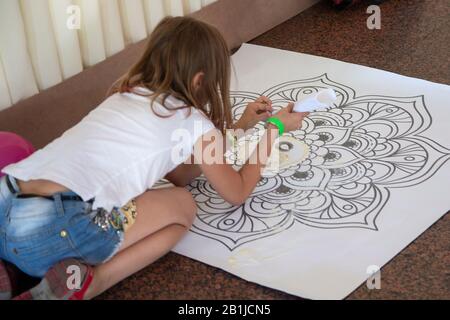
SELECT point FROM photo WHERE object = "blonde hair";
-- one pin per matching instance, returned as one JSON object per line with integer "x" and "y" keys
{"x": 178, "y": 49}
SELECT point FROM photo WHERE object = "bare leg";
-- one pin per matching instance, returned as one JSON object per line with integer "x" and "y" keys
{"x": 163, "y": 217}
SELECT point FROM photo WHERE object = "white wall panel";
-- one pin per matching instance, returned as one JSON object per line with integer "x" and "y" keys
{"x": 17, "y": 66}
{"x": 154, "y": 11}
{"x": 67, "y": 42}
{"x": 112, "y": 27}
{"x": 133, "y": 20}
{"x": 41, "y": 42}
{"x": 192, "y": 5}
{"x": 174, "y": 7}
{"x": 5, "y": 98}
{"x": 207, "y": 2}
{"x": 90, "y": 33}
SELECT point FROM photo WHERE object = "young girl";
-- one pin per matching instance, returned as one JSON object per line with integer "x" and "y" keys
{"x": 79, "y": 213}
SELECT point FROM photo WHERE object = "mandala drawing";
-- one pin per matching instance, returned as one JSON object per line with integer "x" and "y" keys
{"x": 357, "y": 152}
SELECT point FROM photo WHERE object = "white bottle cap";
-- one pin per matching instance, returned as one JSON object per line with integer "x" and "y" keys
{"x": 321, "y": 100}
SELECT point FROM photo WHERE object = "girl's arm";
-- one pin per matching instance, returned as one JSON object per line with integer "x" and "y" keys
{"x": 182, "y": 175}
{"x": 236, "y": 186}
{"x": 256, "y": 111}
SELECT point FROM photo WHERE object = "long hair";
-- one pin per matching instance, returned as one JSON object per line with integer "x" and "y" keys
{"x": 178, "y": 49}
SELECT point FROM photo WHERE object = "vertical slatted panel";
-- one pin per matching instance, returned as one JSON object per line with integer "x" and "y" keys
{"x": 91, "y": 33}
{"x": 192, "y": 5}
{"x": 207, "y": 2}
{"x": 112, "y": 27}
{"x": 39, "y": 50}
{"x": 17, "y": 65}
{"x": 133, "y": 20}
{"x": 5, "y": 98}
{"x": 41, "y": 42}
{"x": 174, "y": 7}
{"x": 66, "y": 39}
{"x": 154, "y": 12}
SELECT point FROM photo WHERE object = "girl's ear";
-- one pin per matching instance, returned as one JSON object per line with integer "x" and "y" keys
{"x": 197, "y": 81}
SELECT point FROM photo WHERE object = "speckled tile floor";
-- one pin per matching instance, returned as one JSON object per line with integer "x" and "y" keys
{"x": 414, "y": 41}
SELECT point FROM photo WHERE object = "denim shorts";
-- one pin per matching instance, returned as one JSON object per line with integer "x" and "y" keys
{"x": 37, "y": 232}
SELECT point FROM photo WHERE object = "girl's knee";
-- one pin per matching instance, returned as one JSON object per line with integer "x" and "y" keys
{"x": 187, "y": 205}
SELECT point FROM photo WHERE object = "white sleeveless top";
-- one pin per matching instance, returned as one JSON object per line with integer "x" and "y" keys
{"x": 118, "y": 151}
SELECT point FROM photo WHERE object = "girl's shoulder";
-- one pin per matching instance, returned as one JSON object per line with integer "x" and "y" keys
{"x": 170, "y": 108}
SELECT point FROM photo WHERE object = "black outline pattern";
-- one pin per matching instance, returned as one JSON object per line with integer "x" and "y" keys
{"x": 359, "y": 150}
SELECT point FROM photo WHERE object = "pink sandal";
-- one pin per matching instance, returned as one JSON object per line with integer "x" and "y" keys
{"x": 54, "y": 285}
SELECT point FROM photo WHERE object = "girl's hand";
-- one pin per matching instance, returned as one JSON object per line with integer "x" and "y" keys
{"x": 235, "y": 186}
{"x": 291, "y": 120}
{"x": 256, "y": 111}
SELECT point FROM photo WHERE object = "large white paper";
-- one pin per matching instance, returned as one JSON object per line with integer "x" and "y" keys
{"x": 376, "y": 177}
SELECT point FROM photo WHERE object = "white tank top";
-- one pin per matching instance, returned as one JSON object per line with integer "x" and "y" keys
{"x": 118, "y": 151}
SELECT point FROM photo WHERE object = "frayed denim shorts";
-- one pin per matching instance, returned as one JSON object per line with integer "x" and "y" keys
{"x": 37, "y": 232}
